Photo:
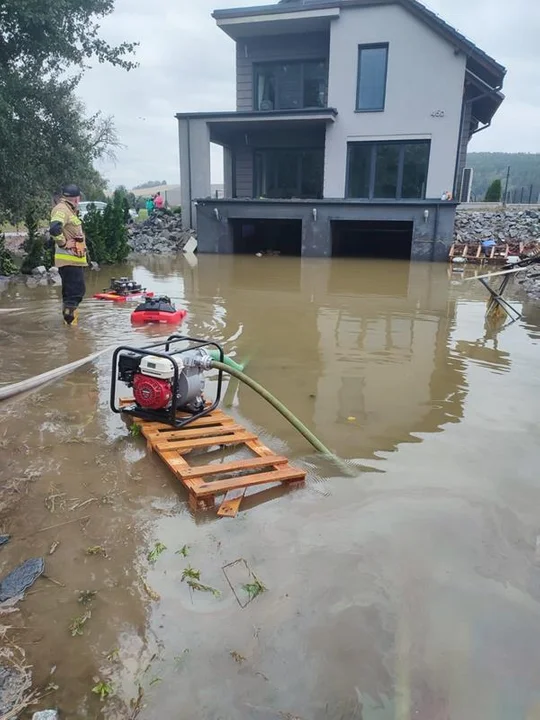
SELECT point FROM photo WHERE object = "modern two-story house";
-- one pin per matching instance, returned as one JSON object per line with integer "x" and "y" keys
{"x": 350, "y": 134}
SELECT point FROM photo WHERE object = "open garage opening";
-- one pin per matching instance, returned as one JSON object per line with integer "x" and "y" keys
{"x": 373, "y": 239}
{"x": 275, "y": 237}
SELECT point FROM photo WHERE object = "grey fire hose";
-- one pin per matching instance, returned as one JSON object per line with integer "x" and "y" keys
{"x": 33, "y": 383}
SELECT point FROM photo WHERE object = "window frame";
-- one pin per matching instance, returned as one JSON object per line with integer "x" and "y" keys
{"x": 257, "y": 66}
{"x": 373, "y": 145}
{"x": 361, "y": 48}
{"x": 261, "y": 151}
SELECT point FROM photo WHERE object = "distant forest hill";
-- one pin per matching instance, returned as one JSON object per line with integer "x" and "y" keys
{"x": 524, "y": 180}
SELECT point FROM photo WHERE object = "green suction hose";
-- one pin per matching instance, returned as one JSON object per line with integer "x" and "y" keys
{"x": 214, "y": 354}
{"x": 229, "y": 367}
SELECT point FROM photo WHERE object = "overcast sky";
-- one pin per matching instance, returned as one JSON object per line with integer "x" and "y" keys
{"x": 187, "y": 64}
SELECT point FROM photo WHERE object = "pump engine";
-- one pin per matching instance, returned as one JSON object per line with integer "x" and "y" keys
{"x": 166, "y": 379}
{"x": 125, "y": 286}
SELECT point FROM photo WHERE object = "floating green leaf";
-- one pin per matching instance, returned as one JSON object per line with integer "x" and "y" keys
{"x": 255, "y": 588}
{"x": 103, "y": 689}
{"x": 191, "y": 573}
{"x": 199, "y": 587}
{"x": 78, "y": 623}
{"x": 156, "y": 552}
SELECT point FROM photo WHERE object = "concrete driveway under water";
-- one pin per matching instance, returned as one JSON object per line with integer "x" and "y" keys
{"x": 411, "y": 591}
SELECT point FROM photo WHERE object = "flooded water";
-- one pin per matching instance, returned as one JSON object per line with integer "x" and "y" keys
{"x": 410, "y": 590}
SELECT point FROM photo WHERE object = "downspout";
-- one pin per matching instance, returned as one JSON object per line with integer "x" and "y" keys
{"x": 492, "y": 91}
{"x": 435, "y": 231}
{"x": 189, "y": 173}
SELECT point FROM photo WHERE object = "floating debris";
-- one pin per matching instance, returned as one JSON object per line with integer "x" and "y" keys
{"x": 153, "y": 555}
{"x": 86, "y": 597}
{"x": 240, "y": 659}
{"x": 242, "y": 580}
{"x": 113, "y": 654}
{"x": 21, "y": 578}
{"x": 183, "y": 551}
{"x": 255, "y": 588}
{"x": 151, "y": 593}
{"x": 199, "y": 587}
{"x": 191, "y": 573}
{"x": 97, "y": 550}
{"x": 54, "y": 547}
{"x": 103, "y": 689}
{"x": 77, "y": 624}
{"x": 137, "y": 704}
{"x": 4, "y": 539}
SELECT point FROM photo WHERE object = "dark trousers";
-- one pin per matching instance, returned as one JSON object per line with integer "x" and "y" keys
{"x": 73, "y": 286}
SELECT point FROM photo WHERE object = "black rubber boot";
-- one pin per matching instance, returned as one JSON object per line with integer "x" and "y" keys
{"x": 71, "y": 316}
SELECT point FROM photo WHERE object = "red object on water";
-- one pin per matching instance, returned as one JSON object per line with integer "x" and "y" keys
{"x": 158, "y": 316}
{"x": 151, "y": 393}
{"x": 122, "y": 298}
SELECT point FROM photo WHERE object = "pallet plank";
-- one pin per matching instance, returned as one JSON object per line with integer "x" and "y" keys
{"x": 276, "y": 476}
{"x": 231, "y": 504}
{"x": 234, "y": 466}
{"x": 217, "y": 429}
{"x": 180, "y": 435}
{"x": 208, "y": 421}
{"x": 235, "y": 439}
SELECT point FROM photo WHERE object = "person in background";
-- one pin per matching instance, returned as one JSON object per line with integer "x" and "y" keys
{"x": 159, "y": 203}
{"x": 70, "y": 251}
{"x": 150, "y": 206}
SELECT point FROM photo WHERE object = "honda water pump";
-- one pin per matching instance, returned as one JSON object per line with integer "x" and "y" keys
{"x": 167, "y": 380}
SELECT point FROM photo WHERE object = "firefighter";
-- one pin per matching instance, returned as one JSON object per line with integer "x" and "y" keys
{"x": 70, "y": 251}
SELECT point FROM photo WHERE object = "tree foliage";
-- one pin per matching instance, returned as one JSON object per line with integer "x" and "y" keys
{"x": 45, "y": 137}
{"x": 7, "y": 266}
{"x": 494, "y": 192}
{"x": 106, "y": 233}
{"x": 524, "y": 172}
{"x": 50, "y": 36}
{"x": 33, "y": 245}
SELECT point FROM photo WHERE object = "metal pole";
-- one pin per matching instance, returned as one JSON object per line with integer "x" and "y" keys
{"x": 521, "y": 198}
{"x": 505, "y": 196}
{"x": 530, "y": 195}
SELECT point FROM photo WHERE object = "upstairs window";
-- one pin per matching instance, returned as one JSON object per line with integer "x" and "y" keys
{"x": 372, "y": 71}
{"x": 291, "y": 86}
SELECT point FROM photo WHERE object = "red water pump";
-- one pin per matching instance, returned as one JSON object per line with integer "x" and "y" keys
{"x": 151, "y": 393}
{"x": 166, "y": 378}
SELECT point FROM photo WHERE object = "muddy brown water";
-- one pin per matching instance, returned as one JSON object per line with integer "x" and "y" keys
{"x": 410, "y": 590}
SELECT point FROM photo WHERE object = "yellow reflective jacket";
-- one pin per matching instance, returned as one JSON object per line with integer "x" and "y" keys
{"x": 72, "y": 229}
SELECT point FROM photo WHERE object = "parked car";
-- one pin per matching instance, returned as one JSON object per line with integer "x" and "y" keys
{"x": 84, "y": 207}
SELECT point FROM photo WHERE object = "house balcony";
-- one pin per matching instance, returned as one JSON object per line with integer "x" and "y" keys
{"x": 276, "y": 153}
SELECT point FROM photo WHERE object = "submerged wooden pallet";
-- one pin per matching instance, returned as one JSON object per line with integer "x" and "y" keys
{"x": 205, "y": 482}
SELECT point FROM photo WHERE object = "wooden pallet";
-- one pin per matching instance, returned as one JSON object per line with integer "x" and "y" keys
{"x": 205, "y": 482}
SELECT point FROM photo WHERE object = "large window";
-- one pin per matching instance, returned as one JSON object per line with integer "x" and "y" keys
{"x": 291, "y": 86}
{"x": 388, "y": 170}
{"x": 289, "y": 173}
{"x": 372, "y": 69}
